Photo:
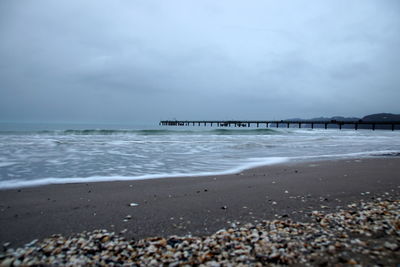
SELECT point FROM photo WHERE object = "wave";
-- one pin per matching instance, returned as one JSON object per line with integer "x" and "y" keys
{"x": 257, "y": 131}
{"x": 262, "y": 131}
{"x": 254, "y": 163}
{"x": 251, "y": 163}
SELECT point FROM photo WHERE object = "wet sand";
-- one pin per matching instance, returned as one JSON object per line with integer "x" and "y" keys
{"x": 196, "y": 205}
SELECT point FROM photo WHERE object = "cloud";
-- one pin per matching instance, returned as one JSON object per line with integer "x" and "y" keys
{"x": 119, "y": 61}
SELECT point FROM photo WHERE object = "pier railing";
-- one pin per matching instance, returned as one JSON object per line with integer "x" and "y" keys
{"x": 390, "y": 125}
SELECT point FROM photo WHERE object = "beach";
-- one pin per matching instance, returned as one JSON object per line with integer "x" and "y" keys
{"x": 195, "y": 205}
{"x": 199, "y": 133}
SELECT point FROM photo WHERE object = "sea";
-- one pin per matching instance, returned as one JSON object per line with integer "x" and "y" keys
{"x": 40, "y": 154}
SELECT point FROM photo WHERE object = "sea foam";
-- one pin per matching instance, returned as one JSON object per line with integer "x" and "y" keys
{"x": 71, "y": 156}
{"x": 14, "y": 183}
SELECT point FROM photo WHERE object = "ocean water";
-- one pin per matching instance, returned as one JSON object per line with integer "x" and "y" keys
{"x": 40, "y": 155}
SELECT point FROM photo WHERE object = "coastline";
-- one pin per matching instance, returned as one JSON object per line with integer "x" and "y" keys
{"x": 194, "y": 205}
{"x": 255, "y": 163}
{"x": 109, "y": 179}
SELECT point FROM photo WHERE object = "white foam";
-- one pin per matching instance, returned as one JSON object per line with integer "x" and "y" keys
{"x": 130, "y": 157}
{"x": 6, "y": 164}
{"x": 56, "y": 162}
{"x": 348, "y": 155}
{"x": 256, "y": 162}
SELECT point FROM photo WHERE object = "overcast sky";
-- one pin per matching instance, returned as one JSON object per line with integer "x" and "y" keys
{"x": 141, "y": 61}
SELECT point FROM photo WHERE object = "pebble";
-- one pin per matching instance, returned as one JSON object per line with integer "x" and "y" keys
{"x": 324, "y": 241}
{"x": 391, "y": 246}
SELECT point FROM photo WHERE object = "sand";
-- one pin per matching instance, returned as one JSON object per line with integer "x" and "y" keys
{"x": 196, "y": 205}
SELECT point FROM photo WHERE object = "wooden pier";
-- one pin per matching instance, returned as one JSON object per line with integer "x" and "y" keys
{"x": 359, "y": 124}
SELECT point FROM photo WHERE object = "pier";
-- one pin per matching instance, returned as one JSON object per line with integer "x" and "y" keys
{"x": 359, "y": 124}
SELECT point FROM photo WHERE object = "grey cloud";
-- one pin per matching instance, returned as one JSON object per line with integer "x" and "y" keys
{"x": 120, "y": 61}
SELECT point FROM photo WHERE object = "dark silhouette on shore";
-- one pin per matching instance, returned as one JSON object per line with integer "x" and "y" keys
{"x": 383, "y": 121}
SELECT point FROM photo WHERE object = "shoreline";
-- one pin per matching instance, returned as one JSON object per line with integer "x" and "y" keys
{"x": 272, "y": 161}
{"x": 194, "y": 205}
{"x": 109, "y": 179}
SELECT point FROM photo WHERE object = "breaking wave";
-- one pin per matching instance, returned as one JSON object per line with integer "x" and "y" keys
{"x": 258, "y": 131}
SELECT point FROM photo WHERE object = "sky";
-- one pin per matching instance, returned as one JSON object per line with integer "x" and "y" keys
{"x": 126, "y": 61}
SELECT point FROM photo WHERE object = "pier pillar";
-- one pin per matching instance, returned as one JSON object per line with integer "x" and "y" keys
{"x": 393, "y": 125}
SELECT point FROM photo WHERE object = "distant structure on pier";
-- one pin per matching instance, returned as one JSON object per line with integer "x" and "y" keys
{"x": 376, "y": 121}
